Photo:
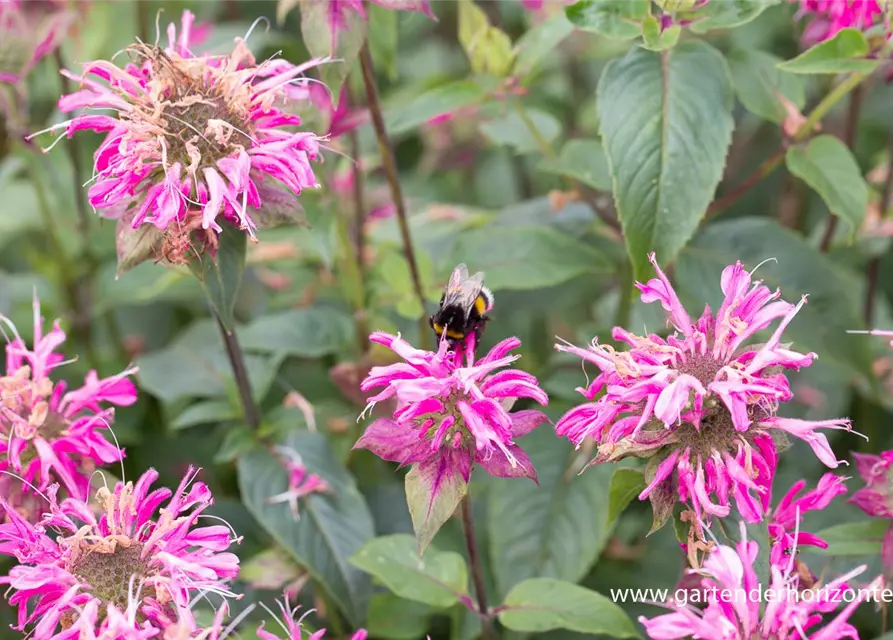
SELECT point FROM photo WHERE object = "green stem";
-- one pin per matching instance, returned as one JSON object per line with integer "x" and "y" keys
{"x": 827, "y": 103}
{"x": 240, "y": 373}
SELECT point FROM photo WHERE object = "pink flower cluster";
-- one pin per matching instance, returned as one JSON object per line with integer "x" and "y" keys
{"x": 49, "y": 433}
{"x": 876, "y": 498}
{"x": 700, "y": 404}
{"x": 828, "y": 17}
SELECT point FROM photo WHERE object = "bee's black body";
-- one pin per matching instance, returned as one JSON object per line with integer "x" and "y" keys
{"x": 463, "y": 306}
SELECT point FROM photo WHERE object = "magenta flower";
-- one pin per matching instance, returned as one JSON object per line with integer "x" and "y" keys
{"x": 147, "y": 565}
{"x": 448, "y": 418}
{"x": 700, "y": 404}
{"x": 876, "y": 497}
{"x": 49, "y": 433}
{"x": 292, "y": 626}
{"x": 784, "y": 531}
{"x": 732, "y": 613}
{"x": 300, "y": 481}
{"x": 827, "y": 17}
{"x": 191, "y": 138}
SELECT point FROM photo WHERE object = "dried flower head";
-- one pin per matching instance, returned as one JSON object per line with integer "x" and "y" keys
{"x": 700, "y": 404}
{"x": 449, "y": 417}
{"x": 144, "y": 566}
{"x": 49, "y": 433}
{"x": 192, "y": 139}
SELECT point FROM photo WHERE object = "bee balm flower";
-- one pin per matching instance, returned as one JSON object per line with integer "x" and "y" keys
{"x": 147, "y": 566}
{"x": 448, "y": 418}
{"x": 191, "y": 139}
{"x": 700, "y": 404}
{"x": 49, "y": 433}
{"x": 828, "y": 17}
{"x": 292, "y": 627}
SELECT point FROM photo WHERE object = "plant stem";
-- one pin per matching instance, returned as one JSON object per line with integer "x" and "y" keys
{"x": 766, "y": 167}
{"x": 477, "y": 572}
{"x": 390, "y": 167}
{"x": 240, "y": 373}
{"x": 822, "y": 108}
{"x": 359, "y": 212}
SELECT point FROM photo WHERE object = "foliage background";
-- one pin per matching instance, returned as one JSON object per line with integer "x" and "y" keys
{"x": 480, "y": 190}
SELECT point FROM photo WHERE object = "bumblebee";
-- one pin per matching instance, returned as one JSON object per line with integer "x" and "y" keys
{"x": 463, "y": 306}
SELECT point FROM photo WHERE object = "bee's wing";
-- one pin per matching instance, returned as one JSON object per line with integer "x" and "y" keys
{"x": 457, "y": 277}
{"x": 463, "y": 289}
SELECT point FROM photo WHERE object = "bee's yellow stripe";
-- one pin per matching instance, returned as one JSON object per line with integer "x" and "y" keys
{"x": 480, "y": 304}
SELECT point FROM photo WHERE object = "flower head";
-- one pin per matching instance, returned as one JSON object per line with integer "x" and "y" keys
{"x": 827, "y": 17}
{"x": 147, "y": 566}
{"x": 49, "y": 433}
{"x": 701, "y": 404}
{"x": 292, "y": 626}
{"x": 449, "y": 417}
{"x": 300, "y": 481}
{"x": 191, "y": 139}
{"x": 733, "y": 613}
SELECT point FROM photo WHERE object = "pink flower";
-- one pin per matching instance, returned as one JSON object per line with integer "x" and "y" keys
{"x": 29, "y": 30}
{"x": 876, "y": 497}
{"x": 700, "y": 404}
{"x": 784, "y": 531}
{"x": 732, "y": 613}
{"x": 450, "y": 417}
{"x": 146, "y": 565}
{"x": 300, "y": 481}
{"x": 191, "y": 138}
{"x": 292, "y": 626}
{"x": 827, "y": 17}
{"x": 49, "y": 433}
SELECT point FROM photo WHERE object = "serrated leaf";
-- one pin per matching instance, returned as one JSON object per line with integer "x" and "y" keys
{"x": 538, "y": 42}
{"x": 666, "y": 124}
{"x": 655, "y": 38}
{"x": 846, "y": 51}
{"x": 728, "y": 14}
{"x": 221, "y": 275}
{"x": 556, "y": 531}
{"x": 339, "y": 37}
{"x": 583, "y": 161}
{"x": 332, "y": 526}
{"x": 758, "y": 83}
{"x": 306, "y": 333}
{"x": 438, "y": 578}
{"x": 612, "y": 18}
{"x": 828, "y": 166}
{"x": 626, "y": 484}
{"x": 543, "y": 604}
{"x": 853, "y": 538}
{"x": 446, "y": 98}
{"x": 526, "y": 257}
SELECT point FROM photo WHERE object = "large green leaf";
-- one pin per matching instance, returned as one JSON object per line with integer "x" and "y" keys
{"x": 446, "y": 98}
{"x": 526, "y": 257}
{"x": 846, "y": 51}
{"x": 221, "y": 275}
{"x": 583, "y": 161}
{"x": 611, "y": 18}
{"x": 307, "y": 333}
{"x": 834, "y": 296}
{"x": 542, "y": 604}
{"x": 759, "y": 83}
{"x": 342, "y": 45}
{"x": 331, "y": 527}
{"x": 854, "y": 538}
{"x": 556, "y": 531}
{"x": 511, "y": 130}
{"x": 438, "y": 578}
{"x": 827, "y": 165}
{"x": 666, "y": 124}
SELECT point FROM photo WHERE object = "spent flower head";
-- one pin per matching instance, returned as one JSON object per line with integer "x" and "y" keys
{"x": 702, "y": 403}
{"x": 450, "y": 415}
{"x": 48, "y": 432}
{"x": 192, "y": 140}
{"x": 144, "y": 557}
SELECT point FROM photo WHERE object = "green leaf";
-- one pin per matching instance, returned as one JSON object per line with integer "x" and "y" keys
{"x": 205, "y": 412}
{"x": 331, "y": 527}
{"x": 656, "y": 39}
{"x": 429, "y": 509}
{"x": 446, "y": 98}
{"x": 843, "y": 53}
{"x": 438, "y": 578}
{"x": 583, "y": 161}
{"x": 489, "y": 49}
{"x": 728, "y": 14}
{"x": 526, "y": 257}
{"x": 827, "y": 165}
{"x": 626, "y": 484}
{"x": 853, "y": 538}
{"x": 397, "y": 619}
{"x": 221, "y": 275}
{"x": 542, "y": 604}
{"x": 834, "y": 300}
{"x": 511, "y": 130}
{"x": 317, "y": 33}
{"x": 666, "y": 129}
{"x": 758, "y": 83}
{"x": 555, "y": 531}
{"x": 612, "y": 18}
{"x": 305, "y": 333}
{"x": 538, "y": 42}
{"x": 236, "y": 441}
